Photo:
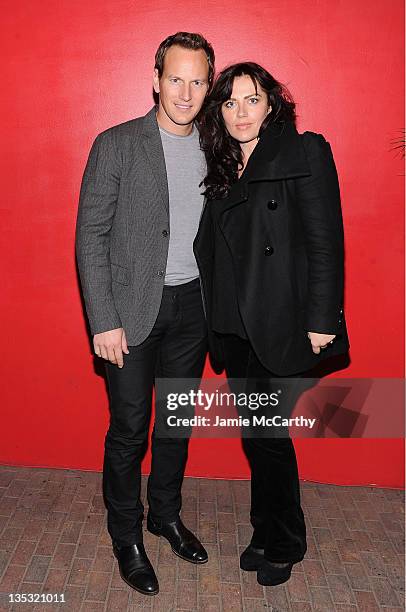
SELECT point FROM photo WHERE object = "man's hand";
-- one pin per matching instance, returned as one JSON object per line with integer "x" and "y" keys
{"x": 320, "y": 341}
{"x": 110, "y": 345}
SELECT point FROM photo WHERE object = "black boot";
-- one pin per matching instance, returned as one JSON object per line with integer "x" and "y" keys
{"x": 271, "y": 574}
{"x": 136, "y": 569}
{"x": 183, "y": 542}
{"x": 251, "y": 558}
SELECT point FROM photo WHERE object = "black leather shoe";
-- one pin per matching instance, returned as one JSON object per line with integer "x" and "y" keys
{"x": 136, "y": 569}
{"x": 251, "y": 558}
{"x": 271, "y": 574}
{"x": 183, "y": 542}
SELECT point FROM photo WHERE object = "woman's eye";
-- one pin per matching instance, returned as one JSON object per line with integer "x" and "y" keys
{"x": 253, "y": 100}
{"x": 229, "y": 104}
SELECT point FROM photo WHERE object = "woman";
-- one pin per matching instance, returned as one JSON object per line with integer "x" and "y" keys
{"x": 270, "y": 253}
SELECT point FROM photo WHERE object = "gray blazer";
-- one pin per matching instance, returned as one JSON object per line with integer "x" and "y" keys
{"x": 122, "y": 229}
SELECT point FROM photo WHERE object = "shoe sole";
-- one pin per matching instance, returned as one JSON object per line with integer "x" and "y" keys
{"x": 273, "y": 582}
{"x": 175, "y": 551}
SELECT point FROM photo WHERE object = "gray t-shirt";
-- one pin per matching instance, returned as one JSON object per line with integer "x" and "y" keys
{"x": 185, "y": 169}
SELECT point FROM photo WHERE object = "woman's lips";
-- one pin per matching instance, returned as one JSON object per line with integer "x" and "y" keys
{"x": 242, "y": 126}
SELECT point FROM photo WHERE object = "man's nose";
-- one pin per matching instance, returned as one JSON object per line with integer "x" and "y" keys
{"x": 185, "y": 93}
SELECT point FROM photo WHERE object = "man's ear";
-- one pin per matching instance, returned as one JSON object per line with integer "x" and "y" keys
{"x": 155, "y": 81}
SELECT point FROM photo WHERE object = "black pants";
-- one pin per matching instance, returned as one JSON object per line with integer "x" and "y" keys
{"x": 175, "y": 348}
{"x": 276, "y": 513}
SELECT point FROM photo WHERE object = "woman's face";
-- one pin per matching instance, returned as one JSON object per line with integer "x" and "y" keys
{"x": 246, "y": 109}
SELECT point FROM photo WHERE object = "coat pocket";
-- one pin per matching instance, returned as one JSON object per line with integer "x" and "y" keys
{"x": 120, "y": 275}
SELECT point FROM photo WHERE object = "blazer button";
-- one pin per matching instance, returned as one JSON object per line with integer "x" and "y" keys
{"x": 268, "y": 250}
{"x": 164, "y": 232}
{"x": 272, "y": 204}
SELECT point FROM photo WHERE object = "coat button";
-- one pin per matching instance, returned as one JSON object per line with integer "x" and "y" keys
{"x": 160, "y": 272}
{"x": 272, "y": 204}
{"x": 268, "y": 250}
{"x": 164, "y": 232}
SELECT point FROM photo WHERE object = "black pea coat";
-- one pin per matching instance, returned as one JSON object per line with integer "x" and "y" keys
{"x": 283, "y": 227}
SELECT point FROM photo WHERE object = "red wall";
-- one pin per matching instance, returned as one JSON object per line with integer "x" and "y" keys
{"x": 72, "y": 69}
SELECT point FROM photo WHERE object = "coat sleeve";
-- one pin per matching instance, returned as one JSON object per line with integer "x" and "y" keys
{"x": 318, "y": 197}
{"x": 97, "y": 206}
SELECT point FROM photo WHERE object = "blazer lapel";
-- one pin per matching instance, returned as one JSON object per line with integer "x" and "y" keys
{"x": 151, "y": 140}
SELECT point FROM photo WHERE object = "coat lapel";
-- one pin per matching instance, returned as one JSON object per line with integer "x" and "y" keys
{"x": 278, "y": 155}
{"x": 153, "y": 148}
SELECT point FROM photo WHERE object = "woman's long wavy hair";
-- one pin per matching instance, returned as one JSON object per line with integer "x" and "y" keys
{"x": 223, "y": 153}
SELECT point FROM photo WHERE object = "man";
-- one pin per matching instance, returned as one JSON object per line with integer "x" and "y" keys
{"x": 139, "y": 210}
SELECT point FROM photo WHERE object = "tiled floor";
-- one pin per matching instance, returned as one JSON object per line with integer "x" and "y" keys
{"x": 54, "y": 540}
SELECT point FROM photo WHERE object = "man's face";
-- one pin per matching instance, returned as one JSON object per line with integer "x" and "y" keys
{"x": 182, "y": 88}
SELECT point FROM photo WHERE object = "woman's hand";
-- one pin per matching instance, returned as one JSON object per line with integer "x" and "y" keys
{"x": 320, "y": 341}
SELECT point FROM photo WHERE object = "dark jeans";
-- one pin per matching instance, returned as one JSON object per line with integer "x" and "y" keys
{"x": 175, "y": 348}
{"x": 276, "y": 513}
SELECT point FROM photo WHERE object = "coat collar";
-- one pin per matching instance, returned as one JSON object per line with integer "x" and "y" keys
{"x": 278, "y": 155}
{"x": 152, "y": 144}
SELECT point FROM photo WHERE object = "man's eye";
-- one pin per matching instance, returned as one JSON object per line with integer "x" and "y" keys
{"x": 198, "y": 83}
{"x": 174, "y": 80}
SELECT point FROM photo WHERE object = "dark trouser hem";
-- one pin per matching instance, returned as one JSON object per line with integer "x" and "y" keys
{"x": 285, "y": 559}
{"x": 159, "y": 520}
{"x": 121, "y": 544}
